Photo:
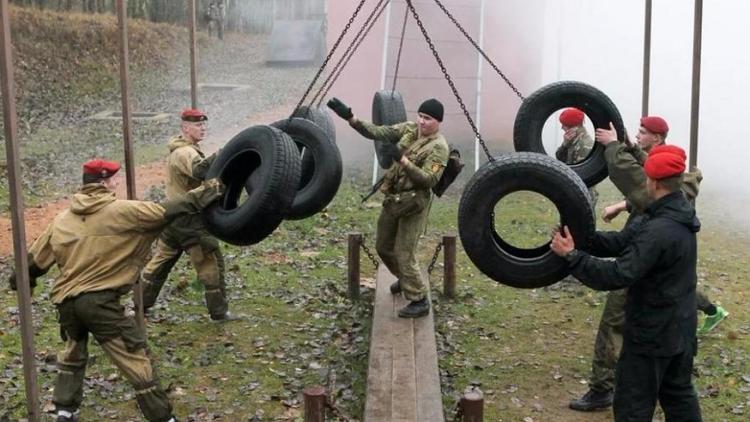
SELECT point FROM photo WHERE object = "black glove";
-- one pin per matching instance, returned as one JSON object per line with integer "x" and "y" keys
{"x": 343, "y": 110}
{"x": 14, "y": 285}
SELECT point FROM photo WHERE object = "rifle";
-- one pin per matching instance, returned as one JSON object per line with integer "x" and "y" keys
{"x": 373, "y": 190}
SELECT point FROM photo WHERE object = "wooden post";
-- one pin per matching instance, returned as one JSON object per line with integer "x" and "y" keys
{"x": 355, "y": 242}
{"x": 193, "y": 58}
{"x": 472, "y": 405}
{"x": 449, "y": 266}
{"x": 17, "y": 214}
{"x": 696, "y": 90}
{"x": 315, "y": 403}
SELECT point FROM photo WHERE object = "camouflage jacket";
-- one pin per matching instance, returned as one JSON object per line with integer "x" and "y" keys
{"x": 575, "y": 150}
{"x": 428, "y": 156}
{"x": 625, "y": 166}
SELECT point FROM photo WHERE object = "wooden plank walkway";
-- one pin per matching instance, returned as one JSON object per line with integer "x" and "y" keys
{"x": 403, "y": 382}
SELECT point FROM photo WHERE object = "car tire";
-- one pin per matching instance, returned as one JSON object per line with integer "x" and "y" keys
{"x": 387, "y": 109}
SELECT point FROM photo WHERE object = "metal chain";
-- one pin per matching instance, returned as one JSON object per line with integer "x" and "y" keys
{"x": 450, "y": 81}
{"x": 369, "y": 22}
{"x": 479, "y": 49}
{"x": 400, "y": 48}
{"x": 349, "y": 53}
{"x": 434, "y": 258}
{"x": 369, "y": 254}
{"x": 330, "y": 53}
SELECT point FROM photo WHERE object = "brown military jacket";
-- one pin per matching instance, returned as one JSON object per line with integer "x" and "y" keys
{"x": 99, "y": 243}
{"x": 576, "y": 149}
{"x": 182, "y": 154}
{"x": 428, "y": 156}
{"x": 625, "y": 166}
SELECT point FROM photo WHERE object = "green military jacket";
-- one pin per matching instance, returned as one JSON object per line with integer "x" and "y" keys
{"x": 428, "y": 156}
{"x": 99, "y": 243}
{"x": 625, "y": 166}
{"x": 577, "y": 149}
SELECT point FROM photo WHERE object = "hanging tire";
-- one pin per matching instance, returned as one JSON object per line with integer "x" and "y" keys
{"x": 321, "y": 167}
{"x": 536, "y": 109}
{"x": 319, "y": 116}
{"x": 387, "y": 109}
{"x": 264, "y": 163}
{"x": 507, "y": 264}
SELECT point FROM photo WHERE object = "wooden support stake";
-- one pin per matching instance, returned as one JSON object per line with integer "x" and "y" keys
{"x": 315, "y": 403}
{"x": 10, "y": 119}
{"x": 472, "y": 405}
{"x": 449, "y": 266}
{"x": 355, "y": 242}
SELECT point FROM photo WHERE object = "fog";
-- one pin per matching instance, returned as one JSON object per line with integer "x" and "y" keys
{"x": 601, "y": 42}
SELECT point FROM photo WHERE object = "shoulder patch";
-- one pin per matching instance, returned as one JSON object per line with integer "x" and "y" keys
{"x": 436, "y": 167}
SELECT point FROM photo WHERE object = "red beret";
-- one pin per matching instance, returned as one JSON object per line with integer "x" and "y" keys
{"x": 101, "y": 168}
{"x": 665, "y": 161}
{"x": 572, "y": 117}
{"x": 655, "y": 124}
{"x": 193, "y": 115}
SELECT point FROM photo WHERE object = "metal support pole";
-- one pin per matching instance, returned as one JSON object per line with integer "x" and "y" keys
{"x": 449, "y": 266}
{"x": 127, "y": 134}
{"x": 696, "y": 93}
{"x": 383, "y": 68}
{"x": 472, "y": 405}
{"x": 480, "y": 64}
{"x": 193, "y": 58}
{"x": 17, "y": 214}
{"x": 646, "y": 59}
{"x": 355, "y": 242}
{"x": 315, "y": 403}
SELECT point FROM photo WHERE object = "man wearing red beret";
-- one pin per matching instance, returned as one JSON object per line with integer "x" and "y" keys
{"x": 577, "y": 143}
{"x": 100, "y": 245}
{"x": 188, "y": 233}
{"x": 656, "y": 258}
{"x": 625, "y": 166}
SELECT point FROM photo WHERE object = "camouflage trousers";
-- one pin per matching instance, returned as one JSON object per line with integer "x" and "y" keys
{"x": 101, "y": 314}
{"x": 608, "y": 342}
{"x": 208, "y": 263}
{"x": 396, "y": 243}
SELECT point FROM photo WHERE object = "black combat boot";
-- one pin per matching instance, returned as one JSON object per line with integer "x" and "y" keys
{"x": 396, "y": 287}
{"x": 593, "y": 400}
{"x": 227, "y": 316}
{"x": 416, "y": 309}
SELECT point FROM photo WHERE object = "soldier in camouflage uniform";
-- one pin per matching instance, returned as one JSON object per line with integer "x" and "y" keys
{"x": 420, "y": 153}
{"x": 216, "y": 14}
{"x": 625, "y": 166}
{"x": 187, "y": 233}
{"x": 577, "y": 144}
{"x": 100, "y": 245}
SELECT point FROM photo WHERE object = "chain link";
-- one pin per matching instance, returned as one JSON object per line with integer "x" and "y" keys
{"x": 450, "y": 81}
{"x": 400, "y": 48}
{"x": 330, "y": 54}
{"x": 369, "y": 254}
{"x": 349, "y": 53}
{"x": 434, "y": 257}
{"x": 479, "y": 49}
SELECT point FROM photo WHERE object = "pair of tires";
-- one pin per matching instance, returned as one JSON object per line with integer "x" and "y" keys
{"x": 531, "y": 169}
{"x": 290, "y": 169}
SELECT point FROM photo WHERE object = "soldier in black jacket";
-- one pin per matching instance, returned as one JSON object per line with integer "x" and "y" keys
{"x": 656, "y": 258}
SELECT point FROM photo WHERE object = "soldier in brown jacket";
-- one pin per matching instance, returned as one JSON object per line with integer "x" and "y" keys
{"x": 100, "y": 245}
{"x": 187, "y": 233}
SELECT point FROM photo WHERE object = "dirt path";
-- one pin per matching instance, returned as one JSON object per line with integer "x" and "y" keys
{"x": 148, "y": 175}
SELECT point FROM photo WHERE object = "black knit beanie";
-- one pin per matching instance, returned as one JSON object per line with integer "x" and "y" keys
{"x": 432, "y": 108}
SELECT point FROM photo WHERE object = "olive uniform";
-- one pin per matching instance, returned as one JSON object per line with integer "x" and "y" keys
{"x": 100, "y": 244}
{"x": 407, "y": 199}
{"x": 575, "y": 151}
{"x": 625, "y": 165}
{"x": 188, "y": 234}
